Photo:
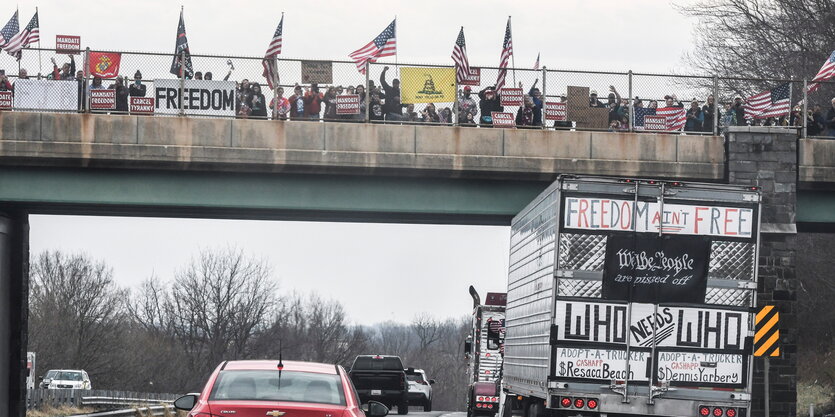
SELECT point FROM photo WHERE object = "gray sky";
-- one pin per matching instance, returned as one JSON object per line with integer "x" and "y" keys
{"x": 379, "y": 271}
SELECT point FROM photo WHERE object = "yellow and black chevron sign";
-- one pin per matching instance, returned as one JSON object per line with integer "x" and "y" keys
{"x": 767, "y": 332}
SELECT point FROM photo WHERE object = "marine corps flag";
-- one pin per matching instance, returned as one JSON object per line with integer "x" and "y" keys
{"x": 105, "y": 64}
{"x": 177, "y": 67}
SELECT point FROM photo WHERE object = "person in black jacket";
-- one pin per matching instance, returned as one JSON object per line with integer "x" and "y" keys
{"x": 137, "y": 89}
{"x": 739, "y": 109}
{"x": 830, "y": 120}
{"x": 490, "y": 102}
{"x": 709, "y": 111}
{"x": 256, "y": 102}
{"x": 389, "y": 93}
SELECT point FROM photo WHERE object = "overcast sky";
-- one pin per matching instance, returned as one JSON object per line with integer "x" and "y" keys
{"x": 379, "y": 271}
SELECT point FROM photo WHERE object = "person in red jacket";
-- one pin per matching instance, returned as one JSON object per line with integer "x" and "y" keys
{"x": 313, "y": 102}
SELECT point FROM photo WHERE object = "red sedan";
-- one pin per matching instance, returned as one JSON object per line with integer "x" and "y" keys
{"x": 278, "y": 389}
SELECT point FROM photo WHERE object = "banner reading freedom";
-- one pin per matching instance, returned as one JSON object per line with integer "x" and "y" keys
{"x": 203, "y": 97}
{"x": 427, "y": 85}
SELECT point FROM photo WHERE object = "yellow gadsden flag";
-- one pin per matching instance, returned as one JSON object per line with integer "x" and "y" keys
{"x": 427, "y": 85}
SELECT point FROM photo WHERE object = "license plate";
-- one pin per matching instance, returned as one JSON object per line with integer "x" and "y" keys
{"x": 376, "y": 392}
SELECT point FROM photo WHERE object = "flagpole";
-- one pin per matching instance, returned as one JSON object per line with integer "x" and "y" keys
{"x": 512, "y": 56}
{"x": 40, "y": 52}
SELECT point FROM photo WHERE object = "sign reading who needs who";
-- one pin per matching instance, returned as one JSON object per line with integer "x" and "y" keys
{"x": 623, "y": 215}
{"x": 200, "y": 97}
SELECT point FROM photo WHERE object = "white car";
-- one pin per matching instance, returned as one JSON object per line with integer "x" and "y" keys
{"x": 420, "y": 388}
{"x": 67, "y": 379}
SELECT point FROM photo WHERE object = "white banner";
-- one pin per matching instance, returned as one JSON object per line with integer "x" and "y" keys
{"x": 30, "y": 94}
{"x": 620, "y": 215}
{"x": 200, "y": 97}
{"x": 675, "y": 327}
{"x": 701, "y": 367}
{"x": 603, "y": 364}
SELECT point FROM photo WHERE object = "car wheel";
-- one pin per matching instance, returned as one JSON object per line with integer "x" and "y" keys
{"x": 427, "y": 405}
{"x": 403, "y": 408}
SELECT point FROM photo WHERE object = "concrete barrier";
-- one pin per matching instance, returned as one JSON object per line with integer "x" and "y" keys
{"x": 257, "y": 145}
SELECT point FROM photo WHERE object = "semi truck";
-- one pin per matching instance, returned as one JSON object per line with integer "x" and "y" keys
{"x": 632, "y": 297}
{"x": 484, "y": 349}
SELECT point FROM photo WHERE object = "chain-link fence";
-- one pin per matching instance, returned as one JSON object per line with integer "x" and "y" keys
{"x": 235, "y": 86}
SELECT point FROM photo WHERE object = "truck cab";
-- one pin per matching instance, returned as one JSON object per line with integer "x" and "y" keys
{"x": 484, "y": 350}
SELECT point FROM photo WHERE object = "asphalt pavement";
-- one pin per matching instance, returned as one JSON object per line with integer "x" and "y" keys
{"x": 434, "y": 413}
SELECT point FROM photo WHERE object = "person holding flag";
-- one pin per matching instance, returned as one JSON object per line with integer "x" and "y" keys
{"x": 181, "y": 64}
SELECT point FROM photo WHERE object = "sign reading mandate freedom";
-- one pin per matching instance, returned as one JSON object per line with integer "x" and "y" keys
{"x": 200, "y": 97}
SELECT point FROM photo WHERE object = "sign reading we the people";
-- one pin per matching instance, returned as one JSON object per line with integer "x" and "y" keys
{"x": 427, "y": 85}
{"x": 320, "y": 72}
{"x": 200, "y": 97}
{"x": 348, "y": 104}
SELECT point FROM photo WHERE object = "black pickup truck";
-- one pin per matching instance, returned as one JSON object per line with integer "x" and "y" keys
{"x": 381, "y": 378}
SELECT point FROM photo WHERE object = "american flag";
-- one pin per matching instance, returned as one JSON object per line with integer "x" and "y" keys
{"x": 826, "y": 72}
{"x": 385, "y": 44}
{"x": 640, "y": 112}
{"x": 270, "y": 70}
{"x": 676, "y": 117}
{"x": 459, "y": 55}
{"x": 29, "y": 34}
{"x": 9, "y": 31}
{"x": 536, "y": 64}
{"x": 773, "y": 103}
{"x": 507, "y": 52}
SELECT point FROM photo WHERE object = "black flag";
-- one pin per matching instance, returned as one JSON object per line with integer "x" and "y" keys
{"x": 180, "y": 47}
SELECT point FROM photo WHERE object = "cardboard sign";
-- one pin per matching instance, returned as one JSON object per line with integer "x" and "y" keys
{"x": 427, "y": 85}
{"x": 653, "y": 269}
{"x": 102, "y": 99}
{"x": 348, "y": 104}
{"x": 142, "y": 105}
{"x": 67, "y": 44}
{"x": 32, "y": 94}
{"x": 511, "y": 96}
{"x": 602, "y": 364}
{"x": 701, "y": 368}
{"x": 474, "y": 78}
{"x": 503, "y": 119}
{"x": 200, "y": 97}
{"x": 674, "y": 327}
{"x": 617, "y": 215}
{"x": 5, "y": 100}
{"x": 583, "y": 115}
{"x": 320, "y": 72}
{"x": 654, "y": 122}
{"x": 556, "y": 111}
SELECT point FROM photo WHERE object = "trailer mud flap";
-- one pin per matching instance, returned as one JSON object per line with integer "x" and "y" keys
{"x": 552, "y": 340}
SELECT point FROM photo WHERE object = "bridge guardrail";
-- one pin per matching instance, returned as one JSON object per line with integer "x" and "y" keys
{"x": 566, "y": 93}
{"x": 38, "y": 398}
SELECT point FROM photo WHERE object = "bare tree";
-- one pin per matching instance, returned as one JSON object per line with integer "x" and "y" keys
{"x": 761, "y": 39}
{"x": 427, "y": 329}
{"x": 76, "y": 314}
{"x": 218, "y": 304}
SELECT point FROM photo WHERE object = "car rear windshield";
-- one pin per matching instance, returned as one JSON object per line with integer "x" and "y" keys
{"x": 266, "y": 386}
{"x": 67, "y": 376}
{"x": 391, "y": 363}
{"x": 414, "y": 377}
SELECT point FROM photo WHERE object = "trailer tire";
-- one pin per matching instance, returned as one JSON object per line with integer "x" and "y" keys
{"x": 535, "y": 409}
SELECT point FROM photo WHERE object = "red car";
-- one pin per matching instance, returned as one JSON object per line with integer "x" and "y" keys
{"x": 278, "y": 389}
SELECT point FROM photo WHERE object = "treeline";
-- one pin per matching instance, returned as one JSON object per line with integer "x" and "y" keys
{"x": 169, "y": 335}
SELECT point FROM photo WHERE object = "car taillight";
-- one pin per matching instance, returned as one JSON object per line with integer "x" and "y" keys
{"x": 730, "y": 412}
{"x": 717, "y": 412}
{"x": 565, "y": 402}
{"x": 579, "y": 403}
{"x": 591, "y": 403}
{"x": 704, "y": 411}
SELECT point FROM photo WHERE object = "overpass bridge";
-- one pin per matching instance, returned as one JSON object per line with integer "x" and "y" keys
{"x": 69, "y": 163}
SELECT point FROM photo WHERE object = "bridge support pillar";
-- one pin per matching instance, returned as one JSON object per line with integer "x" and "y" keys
{"x": 14, "y": 296}
{"x": 767, "y": 157}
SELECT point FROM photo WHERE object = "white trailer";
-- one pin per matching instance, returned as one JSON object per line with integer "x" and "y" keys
{"x": 632, "y": 297}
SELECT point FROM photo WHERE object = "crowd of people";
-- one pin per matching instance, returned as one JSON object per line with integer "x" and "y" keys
{"x": 382, "y": 103}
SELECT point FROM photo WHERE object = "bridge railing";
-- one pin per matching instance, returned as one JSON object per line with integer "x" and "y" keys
{"x": 145, "y": 84}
